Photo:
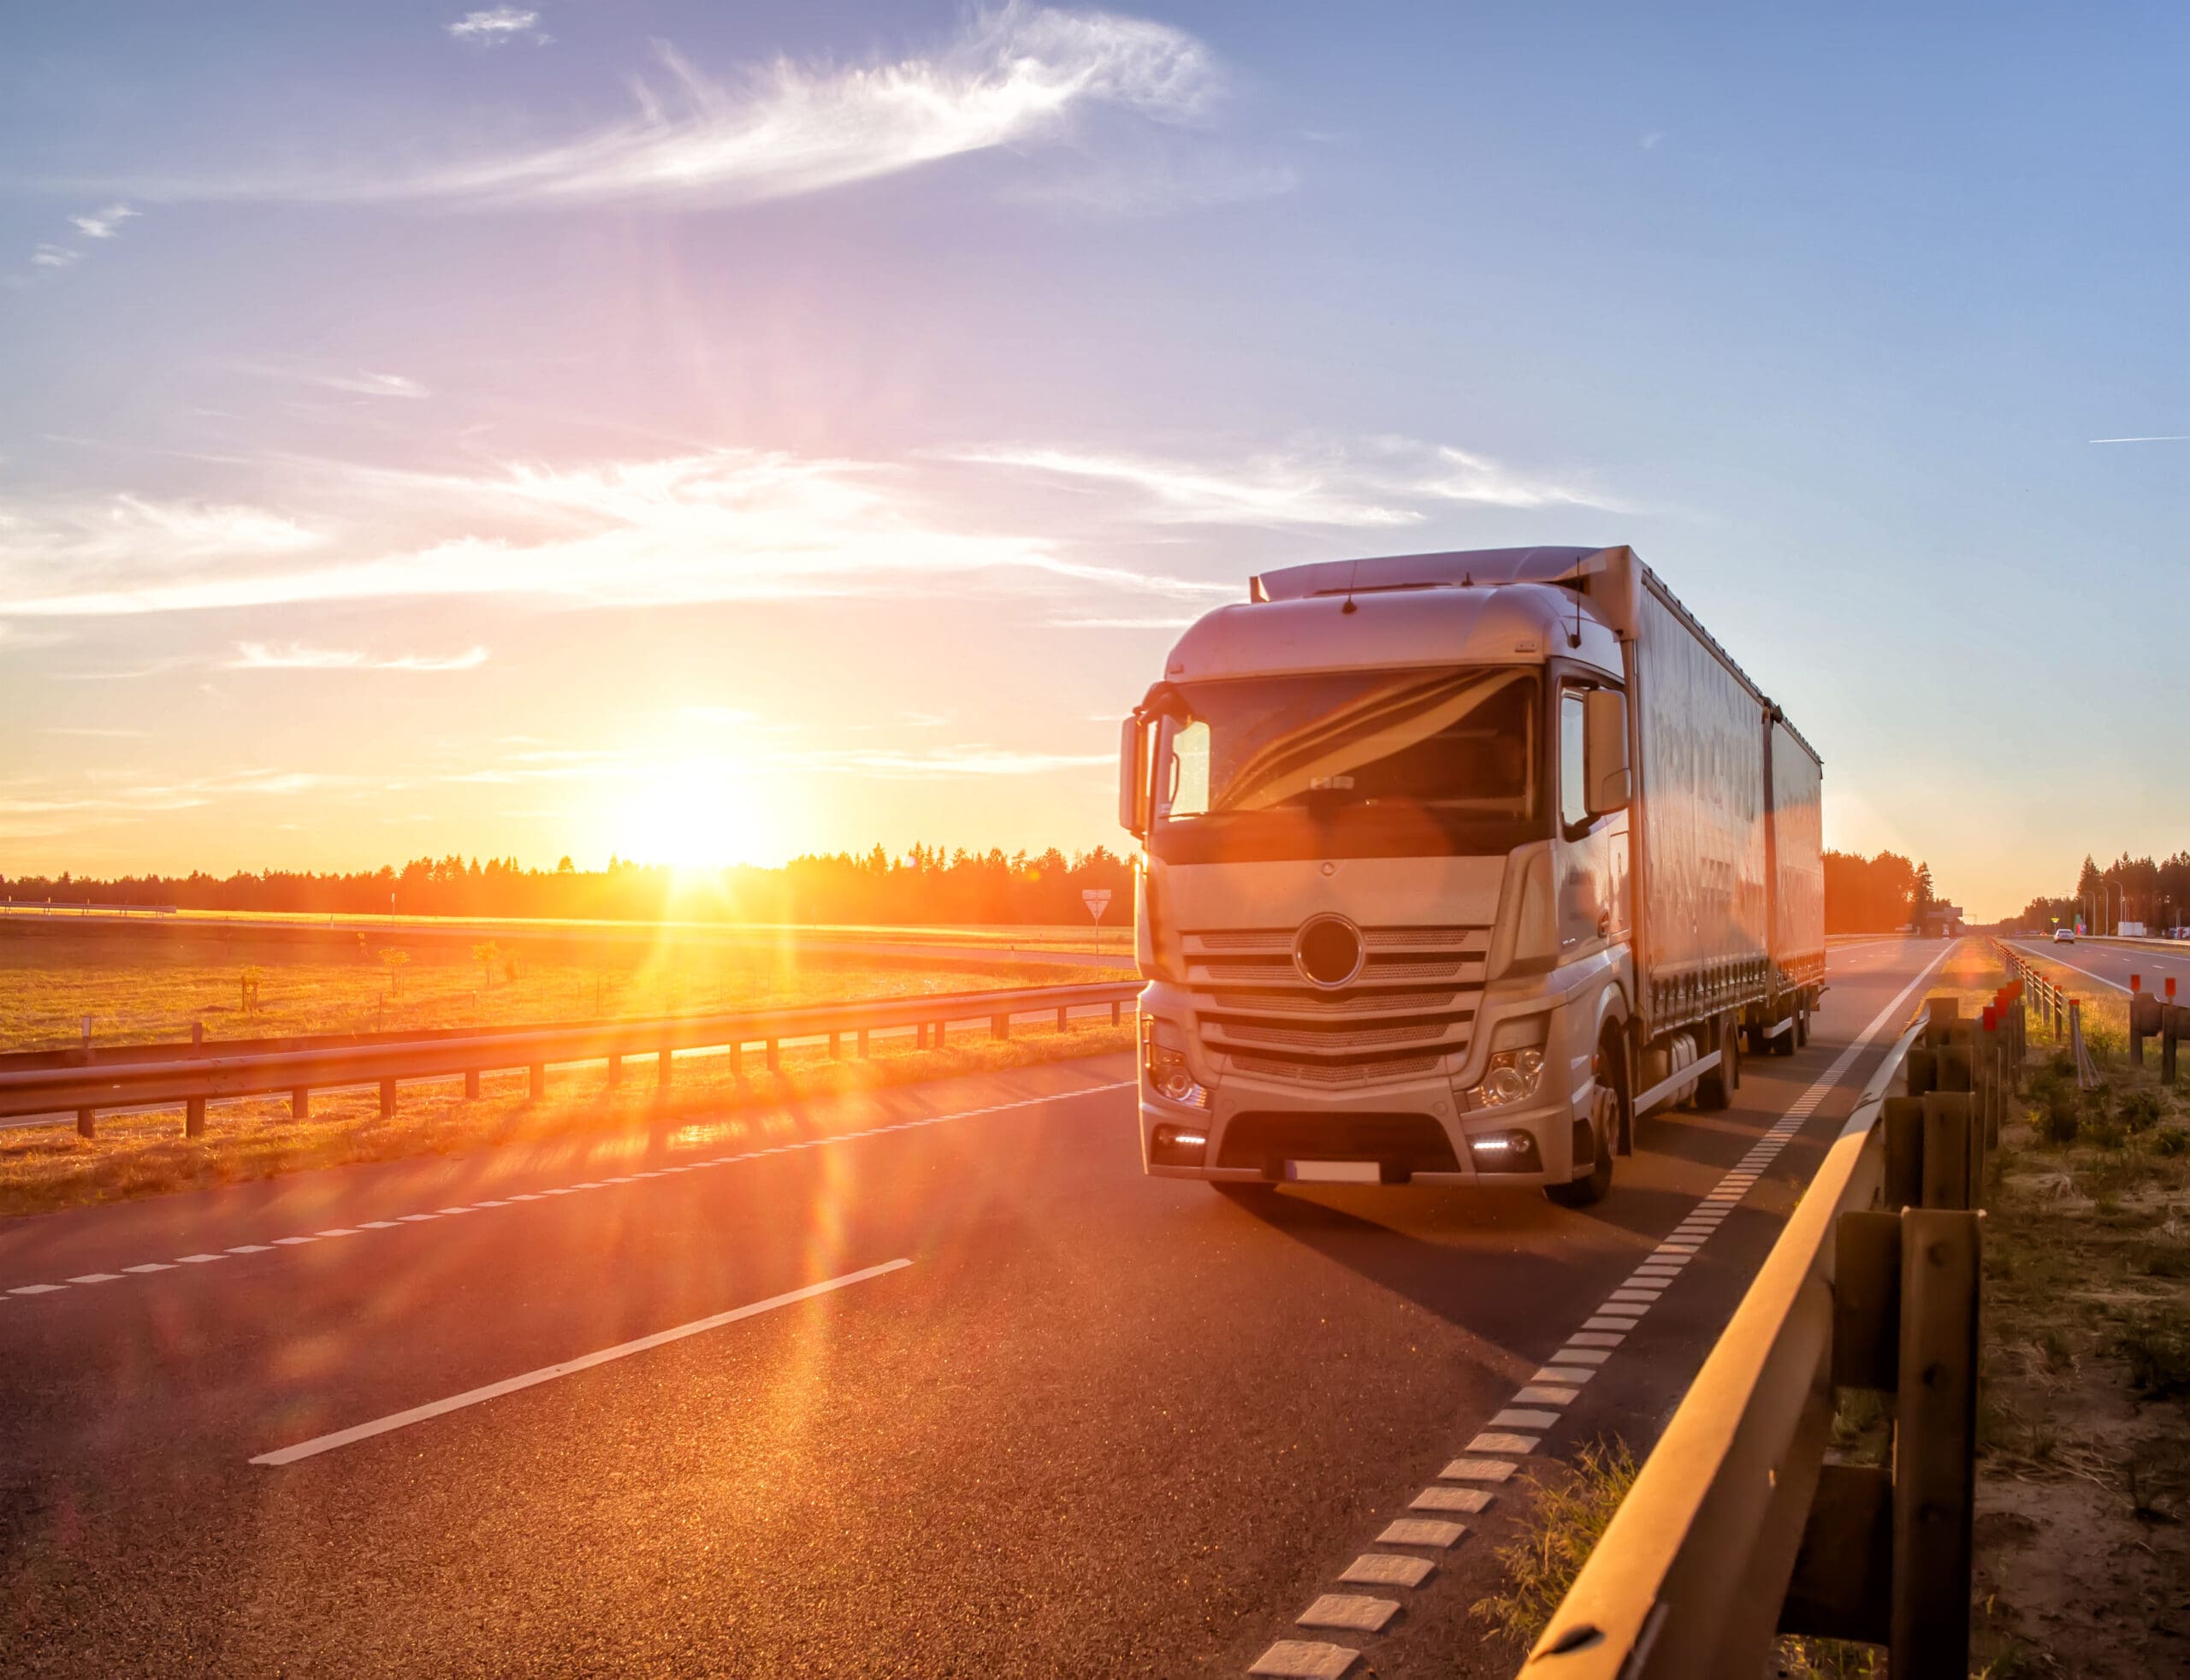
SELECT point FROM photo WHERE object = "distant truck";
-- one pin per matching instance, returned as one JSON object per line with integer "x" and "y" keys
{"x": 1455, "y": 865}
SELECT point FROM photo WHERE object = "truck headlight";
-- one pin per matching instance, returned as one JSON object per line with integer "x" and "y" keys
{"x": 1515, "y": 1071}
{"x": 1164, "y": 1059}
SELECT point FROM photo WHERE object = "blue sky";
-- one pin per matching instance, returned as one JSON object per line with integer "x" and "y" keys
{"x": 674, "y": 430}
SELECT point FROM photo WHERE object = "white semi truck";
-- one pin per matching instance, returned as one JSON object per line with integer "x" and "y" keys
{"x": 1452, "y": 867}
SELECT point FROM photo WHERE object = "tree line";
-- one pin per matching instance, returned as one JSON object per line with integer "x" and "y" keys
{"x": 924, "y": 884}
{"x": 1875, "y": 894}
{"x": 2129, "y": 889}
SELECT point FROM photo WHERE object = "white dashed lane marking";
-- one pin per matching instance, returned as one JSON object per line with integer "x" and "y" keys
{"x": 402, "y": 1220}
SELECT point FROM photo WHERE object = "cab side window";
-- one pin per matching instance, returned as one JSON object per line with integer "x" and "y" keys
{"x": 1573, "y": 791}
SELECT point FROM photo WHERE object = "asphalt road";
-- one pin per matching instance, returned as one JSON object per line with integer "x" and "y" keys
{"x": 1092, "y": 1424}
{"x": 2112, "y": 966}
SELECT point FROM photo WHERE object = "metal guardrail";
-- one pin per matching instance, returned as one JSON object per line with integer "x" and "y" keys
{"x": 206, "y": 1073}
{"x": 1737, "y": 1530}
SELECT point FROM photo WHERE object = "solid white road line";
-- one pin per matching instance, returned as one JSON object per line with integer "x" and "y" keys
{"x": 2043, "y": 956}
{"x": 381, "y": 1425}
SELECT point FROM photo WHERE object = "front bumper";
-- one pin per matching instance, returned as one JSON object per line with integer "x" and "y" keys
{"x": 1414, "y": 1131}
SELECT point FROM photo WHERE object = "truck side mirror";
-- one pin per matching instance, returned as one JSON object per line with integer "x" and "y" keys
{"x": 1133, "y": 778}
{"x": 1604, "y": 752}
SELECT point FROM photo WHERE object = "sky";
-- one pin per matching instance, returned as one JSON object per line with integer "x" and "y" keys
{"x": 710, "y": 433}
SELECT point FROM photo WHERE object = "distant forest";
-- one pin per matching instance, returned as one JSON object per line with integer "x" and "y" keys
{"x": 2130, "y": 888}
{"x": 923, "y": 885}
{"x": 1875, "y": 894}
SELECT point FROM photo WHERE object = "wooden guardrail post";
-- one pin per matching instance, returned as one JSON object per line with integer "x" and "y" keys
{"x": 2170, "y": 1035}
{"x": 472, "y": 1085}
{"x": 666, "y": 1059}
{"x": 300, "y": 1102}
{"x": 536, "y": 1085}
{"x": 194, "y": 1108}
{"x": 775, "y": 1055}
{"x": 861, "y": 1048}
{"x": 1935, "y": 1443}
{"x": 615, "y": 1069}
{"x": 387, "y": 1099}
{"x": 2147, "y": 1018}
{"x": 1887, "y": 1553}
{"x": 999, "y": 1026}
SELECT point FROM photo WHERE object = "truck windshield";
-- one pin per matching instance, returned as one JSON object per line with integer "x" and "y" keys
{"x": 1306, "y": 763}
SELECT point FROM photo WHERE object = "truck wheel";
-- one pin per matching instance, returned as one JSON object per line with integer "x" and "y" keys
{"x": 1606, "y": 1099}
{"x": 1714, "y": 1090}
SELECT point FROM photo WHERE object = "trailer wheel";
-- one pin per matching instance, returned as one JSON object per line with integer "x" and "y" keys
{"x": 1608, "y": 1111}
{"x": 1714, "y": 1090}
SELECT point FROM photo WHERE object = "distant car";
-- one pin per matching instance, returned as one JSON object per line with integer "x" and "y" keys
{"x": 2065, "y": 936}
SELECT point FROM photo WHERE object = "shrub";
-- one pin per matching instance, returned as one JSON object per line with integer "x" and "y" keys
{"x": 2155, "y": 1343}
{"x": 2171, "y": 1140}
{"x": 2057, "y": 1120}
{"x": 2141, "y": 1110}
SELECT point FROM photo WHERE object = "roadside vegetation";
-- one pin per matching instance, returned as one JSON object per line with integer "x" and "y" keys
{"x": 44, "y": 1168}
{"x": 2083, "y": 1512}
{"x": 1566, "y": 1518}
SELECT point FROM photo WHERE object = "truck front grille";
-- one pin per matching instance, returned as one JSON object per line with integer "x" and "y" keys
{"x": 1253, "y": 1008}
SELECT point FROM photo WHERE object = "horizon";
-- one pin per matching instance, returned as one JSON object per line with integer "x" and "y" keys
{"x": 713, "y": 439}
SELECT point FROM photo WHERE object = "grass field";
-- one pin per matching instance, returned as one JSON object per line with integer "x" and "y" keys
{"x": 150, "y": 990}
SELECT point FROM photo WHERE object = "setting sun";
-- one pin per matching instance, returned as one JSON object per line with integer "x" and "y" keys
{"x": 695, "y": 815}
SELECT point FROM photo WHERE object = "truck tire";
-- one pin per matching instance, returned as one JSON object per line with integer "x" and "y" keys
{"x": 1607, "y": 1110}
{"x": 1714, "y": 1091}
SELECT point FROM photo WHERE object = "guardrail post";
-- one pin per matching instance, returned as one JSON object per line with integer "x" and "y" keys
{"x": 775, "y": 1056}
{"x": 387, "y": 1099}
{"x": 194, "y": 1108}
{"x": 87, "y": 1123}
{"x": 2136, "y": 1020}
{"x": 859, "y": 1046}
{"x": 835, "y": 1046}
{"x": 936, "y": 1037}
{"x": 2171, "y": 1034}
{"x": 920, "y": 1036}
{"x": 661, "y": 1076}
{"x": 1117, "y": 1013}
{"x": 536, "y": 1084}
{"x": 1901, "y": 1120}
{"x": 615, "y": 1069}
{"x": 1935, "y": 1435}
{"x": 999, "y": 1026}
{"x": 472, "y": 1085}
{"x": 300, "y": 1102}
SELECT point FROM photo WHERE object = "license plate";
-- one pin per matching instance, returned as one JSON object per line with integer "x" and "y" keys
{"x": 1333, "y": 1172}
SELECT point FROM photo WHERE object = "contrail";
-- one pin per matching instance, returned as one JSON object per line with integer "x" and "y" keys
{"x": 2167, "y": 437}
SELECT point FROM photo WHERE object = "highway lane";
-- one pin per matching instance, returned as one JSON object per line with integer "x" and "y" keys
{"x": 1097, "y": 1424}
{"x": 2112, "y": 966}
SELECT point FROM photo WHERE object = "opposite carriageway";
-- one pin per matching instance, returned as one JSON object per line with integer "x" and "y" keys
{"x": 85, "y": 1081}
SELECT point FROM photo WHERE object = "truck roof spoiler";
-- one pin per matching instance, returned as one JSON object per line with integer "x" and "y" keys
{"x": 1460, "y": 569}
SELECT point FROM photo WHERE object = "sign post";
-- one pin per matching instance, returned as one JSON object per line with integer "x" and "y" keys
{"x": 1097, "y": 900}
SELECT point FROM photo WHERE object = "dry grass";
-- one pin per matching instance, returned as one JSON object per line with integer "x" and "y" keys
{"x": 44, "y": 1168}
{"x": 2082, "y": 1481}
{"x": 139, "y": 987}
{"x": 1563, "y": 1526}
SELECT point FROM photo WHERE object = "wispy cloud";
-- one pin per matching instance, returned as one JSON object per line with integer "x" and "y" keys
{"x": 497, "y": 25}
{"x": 1014, "y": 78}
{"x": 1382, "y": 483}
{"x": 2162, "y": 437}
{"x": 54, "y": 257}
{"x": 1263, "y": 492}
{"x": 369, "y": 384}
{"x": 258, "y": 656}
{"x": 722, "y": 525}
{"x": 103, "y": 224}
